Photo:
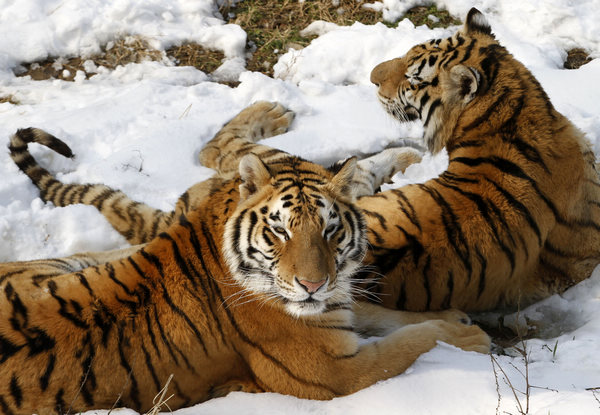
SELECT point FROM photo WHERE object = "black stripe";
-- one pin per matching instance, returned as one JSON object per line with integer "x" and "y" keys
{"x": 15, "y": 391}
{"x": 104, "y": 319}
{"x": 520, "y": 207}
{"x": 19, "y": 318}
{"x": 102, "y": 197}
{"x": 184, "y": 316}
{"x": 134, "y": 392}
{"x": 447, "y": 302}
{"x": 7, "y": 349}
{"x": 483, "y": 206}
{"x": 468, "y": 51}
{"x": 379, "y": 217}
{"x": 45, "y": 378}
{"x": 150, "y": 367}
{"x": 454, "y": 232}
{"x": 151, "y": 332}
{"x": 163, "y": 336}
{"x": 59, "y": 402}
{"x": 83, "y": 281}
{"x": 482, "y": 273}
{"x": 444, "y": 63}
{"x": 110, "y": 269}
{"x": 413, "y": 243}
{"x": 38, "y": 341}
{"x": 401, "y": 299}
{"x": 510, "y": 168}
{"x": 63, "y": 311}
{"x": 4, "y": 406}
{"x": 3, "y": 277}
{"x": 181, "y": 264}
{"x": 491, "y": 109}
{"x": 87, "y": 379}
{"x": 426, "y": 283}
{"x": 421, "y": 66}
{"x": 464, "y": 144}
{"x": 409, "y": 211}
{"x": 434, "y": 105}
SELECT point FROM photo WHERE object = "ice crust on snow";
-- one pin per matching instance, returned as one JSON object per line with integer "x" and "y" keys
{"x": 139, "y": 129}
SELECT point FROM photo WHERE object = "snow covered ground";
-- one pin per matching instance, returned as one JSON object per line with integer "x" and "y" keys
{"x": 140, "y": 127}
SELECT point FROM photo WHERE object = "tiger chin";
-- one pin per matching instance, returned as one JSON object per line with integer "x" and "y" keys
{"x": 248, "y": 288}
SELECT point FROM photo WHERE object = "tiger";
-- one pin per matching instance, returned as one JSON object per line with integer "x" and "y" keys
{"x": 512, "y": 220}
{"x": 251, "y": 289}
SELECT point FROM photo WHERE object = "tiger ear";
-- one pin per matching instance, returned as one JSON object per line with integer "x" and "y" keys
{"x": 477, "y": 23}
{"x": 342, "y": 181}
{"x": 254, "y": 173}
{"x": 464, "y": 82}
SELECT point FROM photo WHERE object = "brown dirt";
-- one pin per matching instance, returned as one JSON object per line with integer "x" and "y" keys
{"x": 272, "y": 27}
{"x": 576, "y": 58}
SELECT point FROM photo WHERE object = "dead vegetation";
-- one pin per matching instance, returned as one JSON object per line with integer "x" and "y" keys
{"x": 576, "y": 58}
{"x": 272, "y": 27}
{"x": 10, "y": 99}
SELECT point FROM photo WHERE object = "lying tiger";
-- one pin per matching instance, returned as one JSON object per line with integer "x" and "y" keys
{"x": 514, "y": 218}
{"x": 249, "y": 290}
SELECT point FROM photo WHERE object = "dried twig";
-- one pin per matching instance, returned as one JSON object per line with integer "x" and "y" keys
{"x": 159, "y": 400}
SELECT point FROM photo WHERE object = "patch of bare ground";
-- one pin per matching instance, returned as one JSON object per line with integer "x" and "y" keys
{"x": 10, "y": 99}
{"x": 431, "y": 16}
{"x": 576, "y": 58}
{"x": 272, "y": 27}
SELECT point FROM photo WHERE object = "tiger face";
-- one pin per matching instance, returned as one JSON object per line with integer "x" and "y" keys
{"x": 436, "y": 80}
{"x": 295, "y": 236}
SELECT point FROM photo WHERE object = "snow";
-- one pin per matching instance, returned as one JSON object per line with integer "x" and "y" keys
{"x": 139, "y": 129}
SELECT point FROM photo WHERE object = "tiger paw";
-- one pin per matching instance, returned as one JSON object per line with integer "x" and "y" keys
{"x": 391, "y": 161}
{"x": 469, "y": 338}
{"x": 373, "y": 171}
{"x": 262, "y": 120}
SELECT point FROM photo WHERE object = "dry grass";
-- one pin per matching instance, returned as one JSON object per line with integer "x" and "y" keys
{"x": 272, "y": 27}
{"x": 10, "y": 99}
{"x": 120, "y": 52}
{"x": 440, "y": 18}
{"x": 192, "y": 54}
{"x": 576, "y": 58}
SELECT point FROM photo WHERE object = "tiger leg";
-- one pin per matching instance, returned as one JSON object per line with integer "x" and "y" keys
{"x": 373, "y": 171}
{"x": 246, "y": 385}
{"x": 237, "y": 138}
{"x": 375, "y": 320}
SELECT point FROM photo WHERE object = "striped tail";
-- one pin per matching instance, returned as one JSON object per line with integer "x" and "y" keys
{"x": 137, "y": 222}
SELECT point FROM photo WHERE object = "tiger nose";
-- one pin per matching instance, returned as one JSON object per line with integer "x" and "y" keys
{"x": 387, "y": 76}
{"x": 311, "y": 286}
{"x": 378, "y": 74}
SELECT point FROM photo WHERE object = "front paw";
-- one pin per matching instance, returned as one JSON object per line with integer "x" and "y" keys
{"x": 469, "y": 338}
{"x": 262, "y": 120}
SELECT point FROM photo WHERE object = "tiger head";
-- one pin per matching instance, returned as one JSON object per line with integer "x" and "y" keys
{"x": 437, "y": 80}
{"x": 295, "y": 236}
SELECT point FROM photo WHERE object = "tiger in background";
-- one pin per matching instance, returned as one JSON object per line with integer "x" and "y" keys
{"x": 249, "y": 290}
{"x": 513, "y": 219}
